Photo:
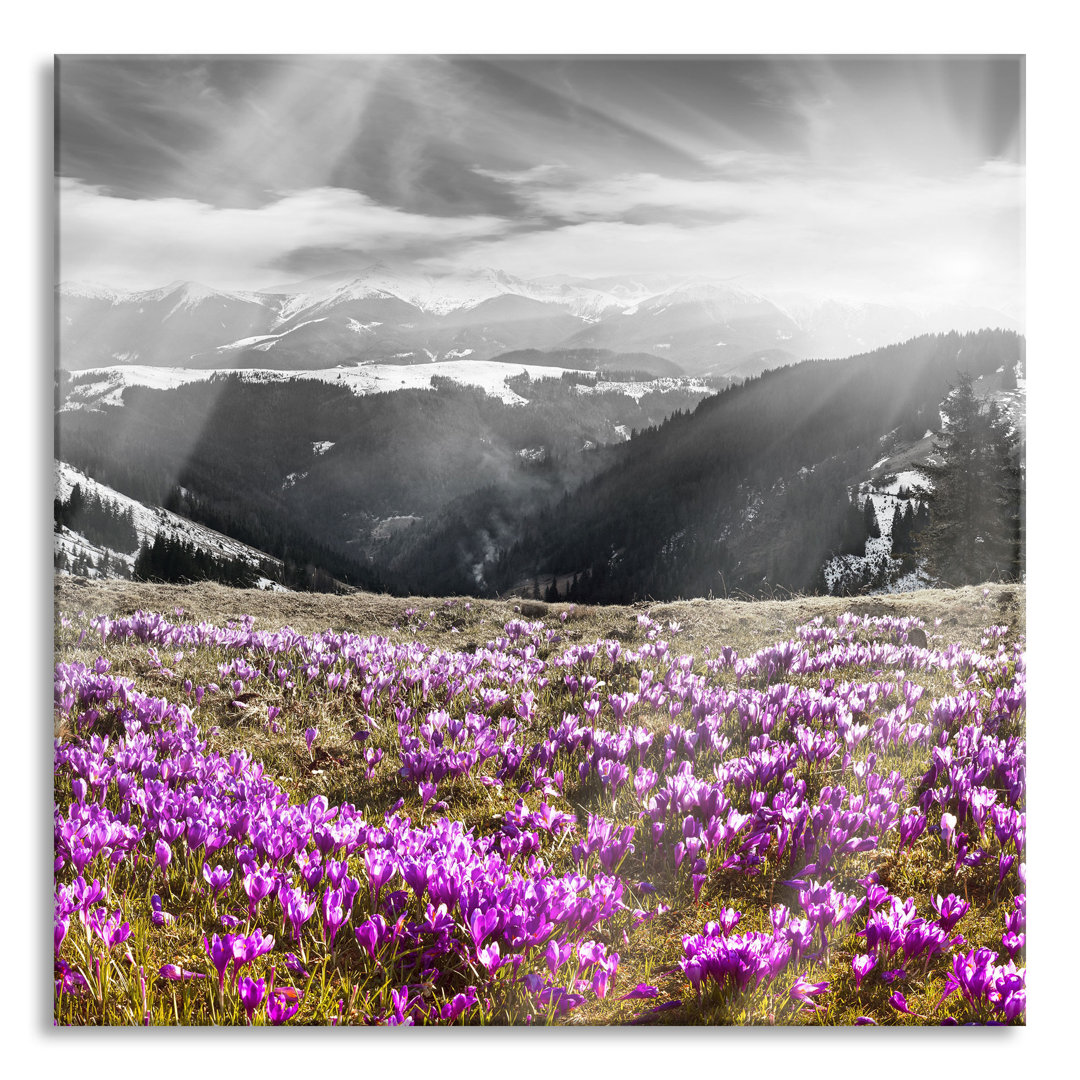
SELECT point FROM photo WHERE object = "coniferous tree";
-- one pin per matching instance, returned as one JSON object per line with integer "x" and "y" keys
{"x": 852, "y": 530}
{"x": 903, "y": 531}
{"x": 974, "y": 530}
{"x": 873, "y": 530}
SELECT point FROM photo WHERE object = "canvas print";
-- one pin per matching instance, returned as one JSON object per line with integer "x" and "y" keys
{"x": 540, "y": 540}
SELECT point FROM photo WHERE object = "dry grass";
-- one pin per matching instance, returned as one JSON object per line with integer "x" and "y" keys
{"x": 744, "y": 625}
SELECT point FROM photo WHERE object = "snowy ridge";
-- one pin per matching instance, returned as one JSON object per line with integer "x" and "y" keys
{"x": 105, "y": 386}
{"x": 190, "y": 294}
{"x": 187, "y": 294}
{"x": 438, "y": 294}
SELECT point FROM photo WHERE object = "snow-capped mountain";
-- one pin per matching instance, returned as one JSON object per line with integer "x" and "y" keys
{"x": 385, "y": 314}
{"x": 440, "y": 294}
{"x": 707, "y": 327}
{"x": 158, "y": 326}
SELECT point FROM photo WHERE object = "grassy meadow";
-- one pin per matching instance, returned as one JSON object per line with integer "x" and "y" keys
{"x": 303, "y": 809}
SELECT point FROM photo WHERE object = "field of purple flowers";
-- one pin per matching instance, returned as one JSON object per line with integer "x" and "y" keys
{"x": 270, "y": 827}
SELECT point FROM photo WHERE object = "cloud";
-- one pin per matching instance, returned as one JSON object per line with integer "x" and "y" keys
{"x": 782, "y": 222}
{"x": 773, "y": 186}
{"x": 140, "y": 242}
{"x": 523, "y": 177}
{"x": 774, "y": 222}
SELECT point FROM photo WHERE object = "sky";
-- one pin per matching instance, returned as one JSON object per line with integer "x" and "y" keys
{"x": 888, "y": 179}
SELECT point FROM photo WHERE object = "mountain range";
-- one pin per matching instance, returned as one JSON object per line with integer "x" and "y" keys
{"x": 383, "y": 314}
{"x": 640, "y": 489}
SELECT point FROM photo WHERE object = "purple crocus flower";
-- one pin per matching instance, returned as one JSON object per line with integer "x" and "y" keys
{"x": 258, "y": 884}
{"x": 399, "y": 999}
{"x": 948, "y": 828}
{"x": 490, "y": 958}
{"x": 899, "y": 1002}
{"x": 803, "y": 990}
{"x": 247, "y": 949}
{"x": 603, "y": 972}
{"x": 334, "y": 914}
{"x": 60, "y": 929}
{"x": 381, "y": 867}
{"x": 172, "y": 971}
{"x": 116, "y": 932}
{"x": 698, "y": 880}
{"x": 70, "y": 981}
{"x": 862, "y": 966}
{"x": 220, "y": 951}
{"x": 481, "y": 923}
{"x": 294, "y": 967}
{"x": 162, "y": 855}
{"x": 298, "y": 907}
{"x": 252, "y": 992}
{"x": 556, "y": 954}
{"x": 560, "y": 999}
{"x": 310, "y": 735}
{"x": 1012, "y": 943}
{"x": 875, "y": 894}
{"x": 218, "y": 878}
{"x": 282, "y": 1003}
{"x": 371, "y": 933}
{"x": 649, "y": 1014}
{"x": 1004, "y": 865}
{"x": 157, "y": 916}
{"x": 949, "y": 911}
{"x": 642, "y": 990}
{"x": 1015, "y": 1004}
{"x": 912, "y": 826}
{"x": 729, "y": 919}
{"x": 458, "y": 1004}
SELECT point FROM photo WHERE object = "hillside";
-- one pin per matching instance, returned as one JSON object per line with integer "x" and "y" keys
{"x": 542, "y": 480}
{"x": 149, "y": 522}
{"x": 311, "y": 471}
{"x": 761, "y": 485}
